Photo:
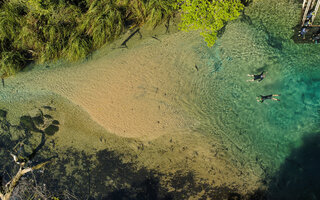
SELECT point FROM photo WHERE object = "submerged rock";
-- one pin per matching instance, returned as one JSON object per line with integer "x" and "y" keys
{"x": 55, "y": 122}
{"x": 27, "y": 123}
{"x": 51, "y": 130}
{"x": 47, "y": 116}
{"x": 3, "y": 113}
{"x": 38, "y": 120}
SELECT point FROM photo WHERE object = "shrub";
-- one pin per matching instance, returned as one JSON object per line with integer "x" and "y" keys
{"x": 103, "y": 22}
{"x": 11, "y": 62}
{"x": 78, "y": 48}
{"x": 208, "y": 16}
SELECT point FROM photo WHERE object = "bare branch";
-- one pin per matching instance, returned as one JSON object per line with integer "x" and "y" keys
{"x": 13, "y": 183}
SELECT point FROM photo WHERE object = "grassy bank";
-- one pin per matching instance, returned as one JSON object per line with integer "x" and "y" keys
{"x": 39, "y": 30}
{"x": 47, "y": 30}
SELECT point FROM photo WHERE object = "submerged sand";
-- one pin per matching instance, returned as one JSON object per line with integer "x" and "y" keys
{"x": 130, "y": 92}
{"x": 133, "y": 101}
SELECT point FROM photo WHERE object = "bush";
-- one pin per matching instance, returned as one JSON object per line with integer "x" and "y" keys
{"x": 103, "y": 22}
{"x": 151, "y": 12}
{"x": 70, "y": 29}
{"x": 79, "y": 47}
{"x": 11, "y": 19}
{"x": 208, "y": 16}
{"x": 11, "y": 62}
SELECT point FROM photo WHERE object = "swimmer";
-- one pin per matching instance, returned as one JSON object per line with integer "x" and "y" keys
{"x": 259, "y": 77}
{"x": 262, "y": 98}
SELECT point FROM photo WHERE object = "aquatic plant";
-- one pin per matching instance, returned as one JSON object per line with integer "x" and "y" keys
{"x": 208, "y": 16}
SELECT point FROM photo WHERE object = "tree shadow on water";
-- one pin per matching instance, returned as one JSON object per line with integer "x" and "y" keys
{"x": 299, "y": 176}
{"x": 105, "y": 176}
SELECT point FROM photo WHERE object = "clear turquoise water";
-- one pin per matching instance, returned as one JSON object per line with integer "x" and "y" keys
{"x": 258, "y": 136}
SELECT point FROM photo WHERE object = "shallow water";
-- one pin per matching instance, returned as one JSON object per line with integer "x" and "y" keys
{"x": 242, "y": 135}
{"x": 258, "y": 135}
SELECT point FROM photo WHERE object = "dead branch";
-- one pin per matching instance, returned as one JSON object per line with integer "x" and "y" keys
{"x": 167, "y": 25}
{"x": 155, "y": 37}
{"x": 124, "y": 43}
{"x": 21, "y": 161}
{"x": 14, "y": 182}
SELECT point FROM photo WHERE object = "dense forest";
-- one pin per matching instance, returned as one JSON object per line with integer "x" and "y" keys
{"x": 47, "y": 30}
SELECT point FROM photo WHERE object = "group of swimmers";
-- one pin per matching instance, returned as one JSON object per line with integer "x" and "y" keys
{"x": 306, "y": 27}
{"x": 260, "y": 77}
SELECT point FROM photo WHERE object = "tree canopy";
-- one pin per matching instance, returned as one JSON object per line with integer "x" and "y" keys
{"x": 208, "y": 16}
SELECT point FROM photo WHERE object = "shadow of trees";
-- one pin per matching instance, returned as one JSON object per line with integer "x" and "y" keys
{"x": 105, "y": 176}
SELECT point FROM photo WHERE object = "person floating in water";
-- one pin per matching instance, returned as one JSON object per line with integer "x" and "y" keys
{"x": 262, "y": 98}
{"x": 258, "y": 77}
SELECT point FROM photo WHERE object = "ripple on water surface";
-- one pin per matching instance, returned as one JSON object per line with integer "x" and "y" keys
{"x": 229, "y": 110}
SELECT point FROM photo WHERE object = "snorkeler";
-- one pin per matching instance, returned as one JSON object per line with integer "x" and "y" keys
{"x": 258, "y": 77}
{"x": 262, "y": 98}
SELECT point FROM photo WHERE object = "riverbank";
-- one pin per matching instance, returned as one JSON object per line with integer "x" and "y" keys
{"x": 179, "y": 111}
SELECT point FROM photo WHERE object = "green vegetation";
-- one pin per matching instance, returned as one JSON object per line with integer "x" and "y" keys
{"x": 47, "y": 30}
{"x": 208, "y": 16}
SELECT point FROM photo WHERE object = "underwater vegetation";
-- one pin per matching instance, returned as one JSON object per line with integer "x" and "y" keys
{"x": 48, "y": 30}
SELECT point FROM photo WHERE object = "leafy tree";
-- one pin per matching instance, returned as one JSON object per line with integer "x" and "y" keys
{"x": 208, "y": 16}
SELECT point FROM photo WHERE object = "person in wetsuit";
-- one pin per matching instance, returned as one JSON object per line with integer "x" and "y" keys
{"x": 258, "y": 77}
{"x": 262, "y": 98}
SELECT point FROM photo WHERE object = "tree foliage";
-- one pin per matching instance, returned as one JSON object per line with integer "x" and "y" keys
{"x": 208, "y": 16}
